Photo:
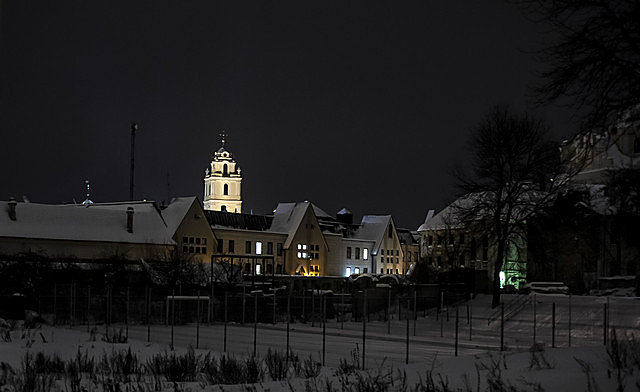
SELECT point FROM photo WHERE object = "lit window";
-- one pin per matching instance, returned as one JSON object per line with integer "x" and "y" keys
{"x": 356, "y": 270}
{"x": 258, "y": 247}
{"x": 365, "y": 254}
{"x": 347, "y": 271}
{"x": 258, "y": 269}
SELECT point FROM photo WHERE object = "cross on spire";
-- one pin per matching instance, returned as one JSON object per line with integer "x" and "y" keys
{"x": 223, "y": 138}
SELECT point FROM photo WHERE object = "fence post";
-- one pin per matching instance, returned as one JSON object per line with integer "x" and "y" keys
{"x": 126, "y": 317}
{"x": 534, "y": 319}
{"x": 89, "y": 308}
{"x": 604, "y": 325}
{"x": 304, "y": 317}
{"x": 553, "y": 325}
{"x": 415, "y": 311}
{"x": 198, "y": 320}
{"x": 342, "y": 309}
{"x": 324, "y": 327}
{"x": 364, "y": 327}
{"x": 226, "y": 302}
{"x": 441, "y": 326}
{"x": 470, "y": 320}
{"x": 148, "y": 315}
{"x": 501, "y": 326}
{"x": 173, "y": 313}
{"x": 406, "y": 359}
{"x": 569, "y": 320}
{"x": 255, "y": 324}
{"x": 456, "y": 354}
{"x": 275, "y": 296}
{"x": 387, "y": 313}
{"x": 288, "y": 319}
{"x": 244, "y": 303}
{"x": 55, "y": 302}
{"x": 71, "y": 304}
{"x": 313, "y": 307}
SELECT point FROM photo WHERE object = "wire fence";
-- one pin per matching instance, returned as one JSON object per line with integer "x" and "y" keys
{"x": 413, "y": 320}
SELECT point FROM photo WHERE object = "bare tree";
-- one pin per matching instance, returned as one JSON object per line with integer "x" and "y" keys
{"x": 516, "y": 173}
{"x": 593, "y": 58}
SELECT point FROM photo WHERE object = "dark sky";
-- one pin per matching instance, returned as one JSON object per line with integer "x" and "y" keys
{"x": 365, "y": 105}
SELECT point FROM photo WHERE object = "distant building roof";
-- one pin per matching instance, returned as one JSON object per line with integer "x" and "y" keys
{"x": 219, "y": 219}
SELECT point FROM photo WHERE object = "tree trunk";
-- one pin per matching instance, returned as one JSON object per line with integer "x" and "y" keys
{"x": 495, "y": 301}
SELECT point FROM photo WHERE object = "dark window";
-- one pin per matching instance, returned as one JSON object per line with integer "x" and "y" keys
{"x": 450, "y": 260}
{"x": 382, "y": 259}
{"x": 185, "y": 249}
{"x": 191, "y": 240}
{"x": 225, "y": 171}
{"x": 185, "y": 240}
{"x": 461, "y": 238}
{"x": 223, "y": 208}
{"x": 247, "y": 268}
{"x": 279, "y": 269}
{"x": 247, "y": 247}
{"x": 397, "y": 252}
{"x": 204, "y": 241}
{"x": 197, "y": 249}
{"x": 439, "y": 261}
{"x": 439, "y": 239}
{"x": 269, "y": 248}
{"x": 382, "y": 270}
{"x": 279, "y": 249}
{"x": 357, "y": 253}
{"x": 191, "y": 249}
{"x": 225, "y": 189}
{"x": 461, "y": 259}
{"x": 430, "y": 240}
{"x": 232, "y": 246}
{"x": 348, "y": 252}
{"x": 198, "y": 241}
{"x": 415, "y": 256}
{"x": 219, "y": 250}
{"x": 451, "y": 240}
{"x": 269, "y": 268}
{"x": 430, "y": 259}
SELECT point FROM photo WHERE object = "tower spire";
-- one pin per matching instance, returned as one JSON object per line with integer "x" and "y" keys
{"x": 223, "y": 138}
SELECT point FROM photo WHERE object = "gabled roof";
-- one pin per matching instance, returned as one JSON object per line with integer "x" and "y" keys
{"x": 91, "y": 222}
{"x": 287, "y": 218}
{"x": 176, "y": 211}
{"x": 373, "y": 228}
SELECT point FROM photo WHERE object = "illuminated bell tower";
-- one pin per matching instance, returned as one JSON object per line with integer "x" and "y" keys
{"x": 222, "y": 181}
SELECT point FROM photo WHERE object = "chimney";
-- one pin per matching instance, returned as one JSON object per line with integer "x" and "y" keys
{"x": 130, "y": 219}
{"x": 12, "y": 208}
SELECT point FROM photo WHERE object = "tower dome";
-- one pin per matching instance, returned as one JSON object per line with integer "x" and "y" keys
{"x": 222, "y": 181}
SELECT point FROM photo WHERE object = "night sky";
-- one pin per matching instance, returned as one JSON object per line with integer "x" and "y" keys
{"x": 360, "y": 105}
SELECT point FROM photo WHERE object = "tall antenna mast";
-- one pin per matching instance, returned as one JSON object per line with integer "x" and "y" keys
{"x": 134, "y": 128}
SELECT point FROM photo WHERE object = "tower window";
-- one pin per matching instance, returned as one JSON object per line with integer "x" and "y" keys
{"x": 226, "y": 189}
{"x": 225, "y": 171}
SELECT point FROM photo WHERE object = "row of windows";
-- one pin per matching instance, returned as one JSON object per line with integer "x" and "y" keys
{"x": 461, "y": 259}
{"x": 356, "y": 271}
{"x": 365, "y": 253}
{"x": 225, "y": 189}
{"x": 248, "y": 247}
{"x": 415, "y": 255}
{"x": 194, "y": 240}
{"x": 389, "y": 260}
{"x": 389, "y": 252}
{"x": 194, "y": 249}
{"x": 259, "y": 270}
{"x": 311, "y": 251}
{"x": 390, "y": 271}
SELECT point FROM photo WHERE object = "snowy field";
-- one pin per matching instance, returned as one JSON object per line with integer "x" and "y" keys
{"x": 586, "y": 366}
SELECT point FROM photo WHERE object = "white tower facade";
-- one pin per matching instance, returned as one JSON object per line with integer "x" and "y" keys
{"x": 222, "y": 182}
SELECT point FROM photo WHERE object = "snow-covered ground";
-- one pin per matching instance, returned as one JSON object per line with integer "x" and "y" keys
{"x": 431, "y": 350}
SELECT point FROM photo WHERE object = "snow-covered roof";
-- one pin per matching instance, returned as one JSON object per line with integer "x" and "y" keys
{"x": 287, "y": 218}
{"x": 176, "y": 211}
{"x": 91, "y": 222}
{"x": 373, "y": 228}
